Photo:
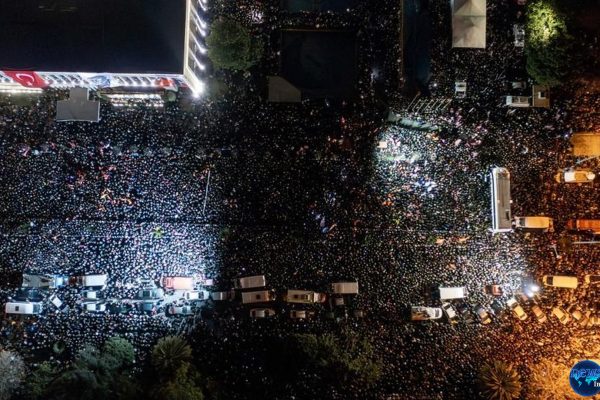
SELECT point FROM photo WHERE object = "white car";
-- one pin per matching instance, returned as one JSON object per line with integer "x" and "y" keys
{"x": 516, "y": 308}
{"x": 418, "y": 313}
{"x": 93, "y": 306}
{"x": 450, "y": 312}
{"x": 561, "y": 315}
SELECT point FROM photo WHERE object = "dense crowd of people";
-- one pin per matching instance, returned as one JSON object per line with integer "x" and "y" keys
{"x": 304, "y": 195}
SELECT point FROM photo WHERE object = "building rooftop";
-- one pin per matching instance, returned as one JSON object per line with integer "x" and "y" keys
{"x": 119, "y": 36}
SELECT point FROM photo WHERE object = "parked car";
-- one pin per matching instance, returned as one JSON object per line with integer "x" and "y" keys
{"x": 261, "y": 312}
{"x": 195, "y": 295}
{"x": 494, "y": 290}
{"x": 483, "y": 315}
{"x": 301, "y": 314}
{"x": 150, "y": 294}
{"x": 93, "y": 306}
{"x": 466, "y": 313}
{"x": 562, "y": 316}
{"x": 592, "y": 279}
{"x": 223, "y": 295}
{"x": 450, "y": 312}
{"x": 516, "y": 308}
{"x": 539, "y": 315}
{"x": 151, "y": 306}
{"x": 497, "y": 309}
{"x": 418, "y": 313}
{"x": 180, "y": 310}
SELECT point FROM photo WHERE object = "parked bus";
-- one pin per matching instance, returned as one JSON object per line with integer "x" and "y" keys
{"x": 501, "y": 201}
{"x": 584, "y": 225}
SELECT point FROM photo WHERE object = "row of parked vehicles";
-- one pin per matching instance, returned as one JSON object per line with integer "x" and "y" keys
{"x": 247, "y": 287}
{"x": 453, "y": 304}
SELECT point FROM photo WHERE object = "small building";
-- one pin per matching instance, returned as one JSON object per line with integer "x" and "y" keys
{"x": 540, "y": 96}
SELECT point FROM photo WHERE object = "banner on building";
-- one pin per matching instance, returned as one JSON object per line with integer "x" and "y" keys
{"x": 27, "y": 79}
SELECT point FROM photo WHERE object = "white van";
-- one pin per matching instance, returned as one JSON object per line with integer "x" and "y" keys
{"x": 250, "y": 282}
{"x": 93, "y": 280}
{"x": 259, "y": 296}
{"x": 345, "y": 287}
{"x": 304, "y": 296}
{"x": 518, "y": 101}
{"x": 540, "y": 224}
{"x": 23, "y": 308}
{"x": 448, "y": 293}
{"x": 569, "y": 282}
{"x": 194, "y": 295}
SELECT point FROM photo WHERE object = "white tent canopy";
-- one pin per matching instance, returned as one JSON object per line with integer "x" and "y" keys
{"x": 468, "y": 32}
{"x": 469, "y": 23}
{"x": 469, "y": 8}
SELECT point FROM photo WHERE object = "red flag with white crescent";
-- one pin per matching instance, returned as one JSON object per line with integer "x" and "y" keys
{"x": 167, "y": 84}
{"x": 27, "y": 78}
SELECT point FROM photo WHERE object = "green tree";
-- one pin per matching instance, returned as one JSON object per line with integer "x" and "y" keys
{"x": 345, "y": 360}
{"x": 121, "y": 350}
{"x": 98, "y": 374}
{"x": 169, "y": 354}
{"x": 500, "y": 381}
{"x": 548, "y": 43}
{"x": 181, "y": 386}
{"x": 37, "y": 383}
{"x": 12, "y": 372}
{"x": 232, "y": 46}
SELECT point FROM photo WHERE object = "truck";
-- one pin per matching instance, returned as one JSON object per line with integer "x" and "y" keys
{"x": 249, "y": 282}
{"x": 178, "y": 282}
{"x": 534, "y": 224}
{"x": 584, "y": 225}
{"x": 97, "y": 281}
{"x": 51, "y": 281}
{"x": 304, "y": 296}
{"x": 23, "y": 308}
{"x": 344, "y": 287}
{"x": 260, "y": 296}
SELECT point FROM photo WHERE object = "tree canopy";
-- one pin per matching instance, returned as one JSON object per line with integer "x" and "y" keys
{"x": 232, "y": 46}
{"x": 12, "y": 372}
{"x": 548, "y": 43}
{"x": 500, "y": 381}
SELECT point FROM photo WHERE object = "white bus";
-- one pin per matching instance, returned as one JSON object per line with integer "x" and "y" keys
{"x": 501, "y": 201}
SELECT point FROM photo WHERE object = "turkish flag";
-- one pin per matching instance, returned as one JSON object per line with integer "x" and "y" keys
{"x": 27, "y": 78}
{"x": 167, "y": 84}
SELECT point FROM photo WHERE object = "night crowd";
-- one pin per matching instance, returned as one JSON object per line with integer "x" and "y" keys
{"x": 308, "y": 194}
